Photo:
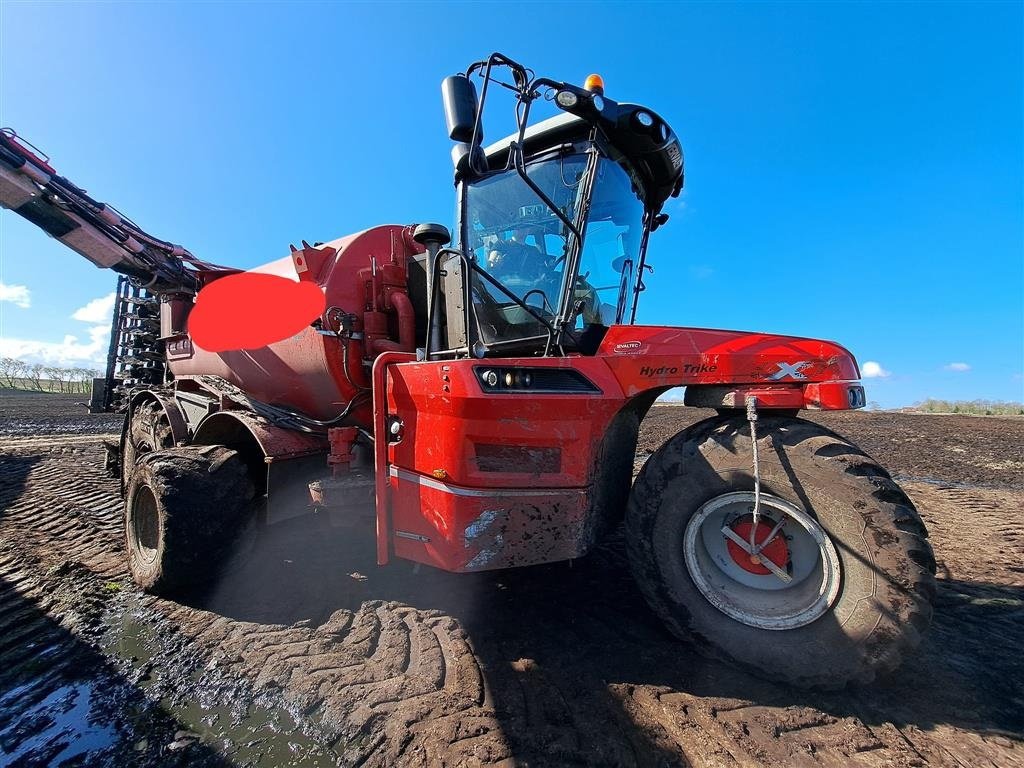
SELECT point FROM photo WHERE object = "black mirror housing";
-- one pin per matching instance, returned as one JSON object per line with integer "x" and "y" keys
{"x": 469, "y": 162}
{"x": 460, "y": 107}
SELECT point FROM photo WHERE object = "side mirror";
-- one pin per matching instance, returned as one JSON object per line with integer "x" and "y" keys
{"x": 460, "y": 106}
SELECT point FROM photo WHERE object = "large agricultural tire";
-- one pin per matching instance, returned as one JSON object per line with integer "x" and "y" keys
{"x": 860, "y": 569}
{"x": 146, "y": 429}
{"x": 184, "y": 510}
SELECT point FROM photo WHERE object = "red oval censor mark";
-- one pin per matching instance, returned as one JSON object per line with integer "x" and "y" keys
{"x": 251, "y": 310}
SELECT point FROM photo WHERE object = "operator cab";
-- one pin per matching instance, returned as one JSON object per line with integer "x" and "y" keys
{"x": 525, "y": 246}
{"x": 553, "y": 221}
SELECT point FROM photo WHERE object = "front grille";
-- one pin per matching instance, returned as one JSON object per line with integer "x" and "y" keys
{"x": 517, "y": 458}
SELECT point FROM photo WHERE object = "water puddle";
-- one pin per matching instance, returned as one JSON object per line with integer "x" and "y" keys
{"x": 211, "y": 712}
{"x": 143, "y": 698}
{"x": 59, "y": 727}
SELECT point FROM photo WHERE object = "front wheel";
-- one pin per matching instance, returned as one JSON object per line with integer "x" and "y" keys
{"x": 833, "y": 584}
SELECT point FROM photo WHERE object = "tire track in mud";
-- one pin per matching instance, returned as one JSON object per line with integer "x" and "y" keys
{"x": 373, "y": 678}
{"x": 557, "y": 665}
{"x": 60, "y": 496}
{"x": 15, "y": 444}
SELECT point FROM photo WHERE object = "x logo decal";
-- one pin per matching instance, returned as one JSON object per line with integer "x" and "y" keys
{"x": 789, "y": 369}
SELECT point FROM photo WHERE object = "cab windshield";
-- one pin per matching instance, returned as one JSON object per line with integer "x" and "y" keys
{"x": 524, "y": 245}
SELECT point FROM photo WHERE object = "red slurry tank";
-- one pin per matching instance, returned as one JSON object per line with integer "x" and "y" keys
{"x": 364, "y": 279}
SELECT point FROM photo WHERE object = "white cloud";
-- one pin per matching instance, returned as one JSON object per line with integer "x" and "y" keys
{"x": 96, "y": 311}
{"x": 873, "y": 370}
{"x": 73, "y": 351}
{"x": 69, "y": 352}
{"x": 958, "y": 367}
{"x": 18, "y": 295}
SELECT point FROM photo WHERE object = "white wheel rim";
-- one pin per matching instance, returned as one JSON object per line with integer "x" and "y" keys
{"x": 765, "y": 601}
{"x": 145, "y": 524}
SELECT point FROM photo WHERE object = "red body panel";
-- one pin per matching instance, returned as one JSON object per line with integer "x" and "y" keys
{"x": 456, "y": 499}
{"x": 655, "y": 356}
{"x": 492, "y": 479}
{"x": 444, "y": 402}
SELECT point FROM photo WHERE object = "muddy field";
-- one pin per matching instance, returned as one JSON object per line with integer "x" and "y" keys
{"x": 306, "y": 653}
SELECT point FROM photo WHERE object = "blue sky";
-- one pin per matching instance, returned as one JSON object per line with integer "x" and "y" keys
{"x": 854, "y": 171}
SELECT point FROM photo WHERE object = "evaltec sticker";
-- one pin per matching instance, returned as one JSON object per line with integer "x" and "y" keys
{"x": 627, "y": 347}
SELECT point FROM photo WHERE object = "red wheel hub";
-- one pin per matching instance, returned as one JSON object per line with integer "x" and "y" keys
{"x": 776, "y": 551}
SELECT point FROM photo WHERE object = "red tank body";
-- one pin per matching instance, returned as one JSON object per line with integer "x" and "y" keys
{"x": 362, "y": 275}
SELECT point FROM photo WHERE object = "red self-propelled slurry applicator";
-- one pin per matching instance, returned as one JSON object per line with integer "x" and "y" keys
{"x": 479, "y": 403}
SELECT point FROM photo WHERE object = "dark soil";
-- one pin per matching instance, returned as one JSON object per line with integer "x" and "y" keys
{"x": 48, "y": 413}
{"x": 306, "y": 653}
{"x": 985, "y": 451}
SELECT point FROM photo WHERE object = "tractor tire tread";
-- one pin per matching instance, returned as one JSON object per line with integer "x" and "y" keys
{"x": 904, "y": 554}
{"x": 145, "y": 425}
{"x": 205, "y": 496}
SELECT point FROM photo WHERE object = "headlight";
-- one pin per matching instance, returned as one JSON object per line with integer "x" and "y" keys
{"x": 566, "y": 99}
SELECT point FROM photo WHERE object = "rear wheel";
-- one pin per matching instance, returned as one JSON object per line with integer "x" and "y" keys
{"x": 147, "y": 430}
{"x": 834, "y": 583}
{"x": 184, "y": 510}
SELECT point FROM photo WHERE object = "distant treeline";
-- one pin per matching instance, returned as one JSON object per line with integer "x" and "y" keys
{"x": 17, "y": 374}
{"x": 972, "y": 407}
